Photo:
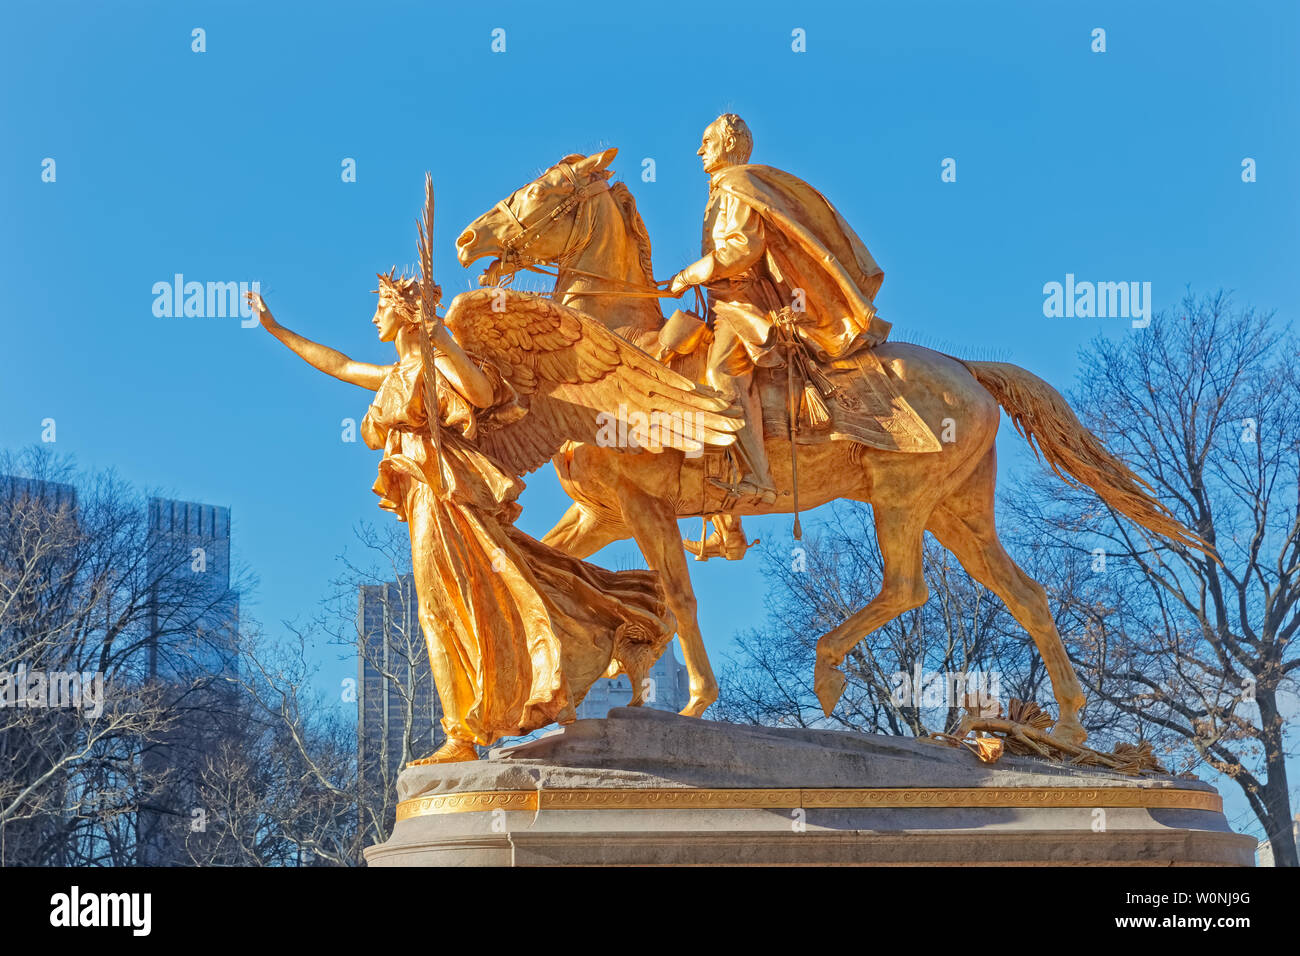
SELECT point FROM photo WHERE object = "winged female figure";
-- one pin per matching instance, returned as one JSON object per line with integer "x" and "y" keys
{"x": 517, "y": 631}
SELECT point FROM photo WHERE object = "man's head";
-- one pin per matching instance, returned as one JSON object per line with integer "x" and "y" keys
{"x": 727, "y": 142}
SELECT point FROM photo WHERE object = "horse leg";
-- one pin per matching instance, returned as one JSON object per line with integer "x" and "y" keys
{"x": 582, "y": 532}
{"x": 900, "y": 532}
{"x": 653, "y": 523}
{"x": 964, "y": 525}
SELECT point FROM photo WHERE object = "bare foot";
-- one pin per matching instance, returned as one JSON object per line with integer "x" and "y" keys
{"x": 453, "y": 751}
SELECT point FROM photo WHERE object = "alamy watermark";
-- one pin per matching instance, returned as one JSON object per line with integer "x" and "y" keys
{"x": 978, "y": 690}
{"x": 204, "y": 300}
{"x": 1100, "y": 300}
{"x": 68, "y": 690}
{"x": 628, "y": 429}
{"x": 74, "y": 908}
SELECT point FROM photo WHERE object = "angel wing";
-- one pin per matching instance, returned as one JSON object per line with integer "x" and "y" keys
{"x": 580, "y": 382}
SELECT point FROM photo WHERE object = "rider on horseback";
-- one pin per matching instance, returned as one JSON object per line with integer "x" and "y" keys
{"x": 772, "y": 243}
{"x": 774, "y": 249}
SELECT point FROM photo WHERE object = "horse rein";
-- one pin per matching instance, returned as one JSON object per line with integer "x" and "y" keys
{"x": 512, "y": 246}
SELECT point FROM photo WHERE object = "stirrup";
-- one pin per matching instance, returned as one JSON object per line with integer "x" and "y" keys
{"x": 715, "y": 545}
{"x": 709, "y": 546}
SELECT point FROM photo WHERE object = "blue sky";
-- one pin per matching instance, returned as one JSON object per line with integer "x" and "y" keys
{"x": 225, "y": 166}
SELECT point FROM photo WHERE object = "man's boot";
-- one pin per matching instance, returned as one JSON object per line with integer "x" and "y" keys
{"x": 756, "y": 481}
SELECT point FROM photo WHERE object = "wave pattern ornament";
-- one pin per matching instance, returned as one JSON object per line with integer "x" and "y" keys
{"x": 532, "y": 801}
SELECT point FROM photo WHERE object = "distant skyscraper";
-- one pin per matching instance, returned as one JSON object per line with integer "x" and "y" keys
{"x": 38, "y": 534}
{"x": 29, "y": 503}
{"x": 195, "y": 624}
{"x": 193, "y": 649}
{"x": 398, "y": 711}
{"x": 52, "y": 494}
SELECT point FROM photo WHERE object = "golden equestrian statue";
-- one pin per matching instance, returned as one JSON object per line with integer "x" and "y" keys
{"x": 842, "y": 412}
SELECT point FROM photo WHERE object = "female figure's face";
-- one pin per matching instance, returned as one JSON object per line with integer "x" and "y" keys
{"x": 387, "y": 319}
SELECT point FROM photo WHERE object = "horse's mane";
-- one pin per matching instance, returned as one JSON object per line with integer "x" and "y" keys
{"x": 632, "y": 219}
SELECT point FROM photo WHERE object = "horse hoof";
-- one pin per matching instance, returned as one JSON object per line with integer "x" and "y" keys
{"x": 829, "y": 683}
{"x": 695, "y": 708}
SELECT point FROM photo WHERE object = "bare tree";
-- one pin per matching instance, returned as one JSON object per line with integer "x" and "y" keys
{"x": 1176, "y": 647}
{"x": 373, "y": 616}
{"x": 304, "y": 783}
{"x": 909, "y": 677}
{"x": 282, "y": 791}
{"x": 83, "y": 586}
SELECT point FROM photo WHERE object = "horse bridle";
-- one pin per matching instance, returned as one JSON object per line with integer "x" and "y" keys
{"x": 512, "y": 247}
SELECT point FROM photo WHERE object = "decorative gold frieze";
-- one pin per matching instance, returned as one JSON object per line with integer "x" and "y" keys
{"x": 1162, "y": 798}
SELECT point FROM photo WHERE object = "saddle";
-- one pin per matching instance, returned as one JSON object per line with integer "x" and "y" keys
{"x": 854, "y": 398}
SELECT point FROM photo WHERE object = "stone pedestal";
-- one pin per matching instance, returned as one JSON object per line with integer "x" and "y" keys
{"x": 647, "y": 787}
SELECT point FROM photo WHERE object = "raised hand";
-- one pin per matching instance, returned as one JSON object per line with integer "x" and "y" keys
{"x": 258, "y": 305}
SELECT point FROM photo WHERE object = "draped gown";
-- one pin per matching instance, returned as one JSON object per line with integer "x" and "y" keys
{"x": 517, "y": 631}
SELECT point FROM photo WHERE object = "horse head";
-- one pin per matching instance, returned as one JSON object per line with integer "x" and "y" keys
{"x": 571, "y": 217}
{"x": 539, "y": 223}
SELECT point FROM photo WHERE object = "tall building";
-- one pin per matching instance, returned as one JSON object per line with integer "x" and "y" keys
{"x": 398, "y": 711}
{"x": 195, "y": 615}
{"x": 189, "y": 646}
{"x": 52, "y": 495}
{"x": 39, "y": 521}
{"x": 193, "y": 651}
{"x": 39, "y": 526}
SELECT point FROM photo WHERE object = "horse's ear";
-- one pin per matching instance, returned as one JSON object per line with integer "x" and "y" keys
{"x": 597, "y": 162}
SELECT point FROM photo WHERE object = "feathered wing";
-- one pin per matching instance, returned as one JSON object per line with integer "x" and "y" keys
{"x": 580, "y": 382}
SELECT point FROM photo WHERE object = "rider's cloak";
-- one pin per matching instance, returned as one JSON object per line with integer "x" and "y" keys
{"x": 810, "y": 246}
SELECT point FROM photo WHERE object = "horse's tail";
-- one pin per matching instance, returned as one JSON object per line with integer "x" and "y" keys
{"x": 1046, "y": 421}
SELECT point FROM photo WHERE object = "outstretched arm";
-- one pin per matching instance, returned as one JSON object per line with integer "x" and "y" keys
{"x": 329, "y": 361}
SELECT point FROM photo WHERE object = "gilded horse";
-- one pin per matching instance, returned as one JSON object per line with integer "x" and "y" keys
{"x": 573, "y": 219}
